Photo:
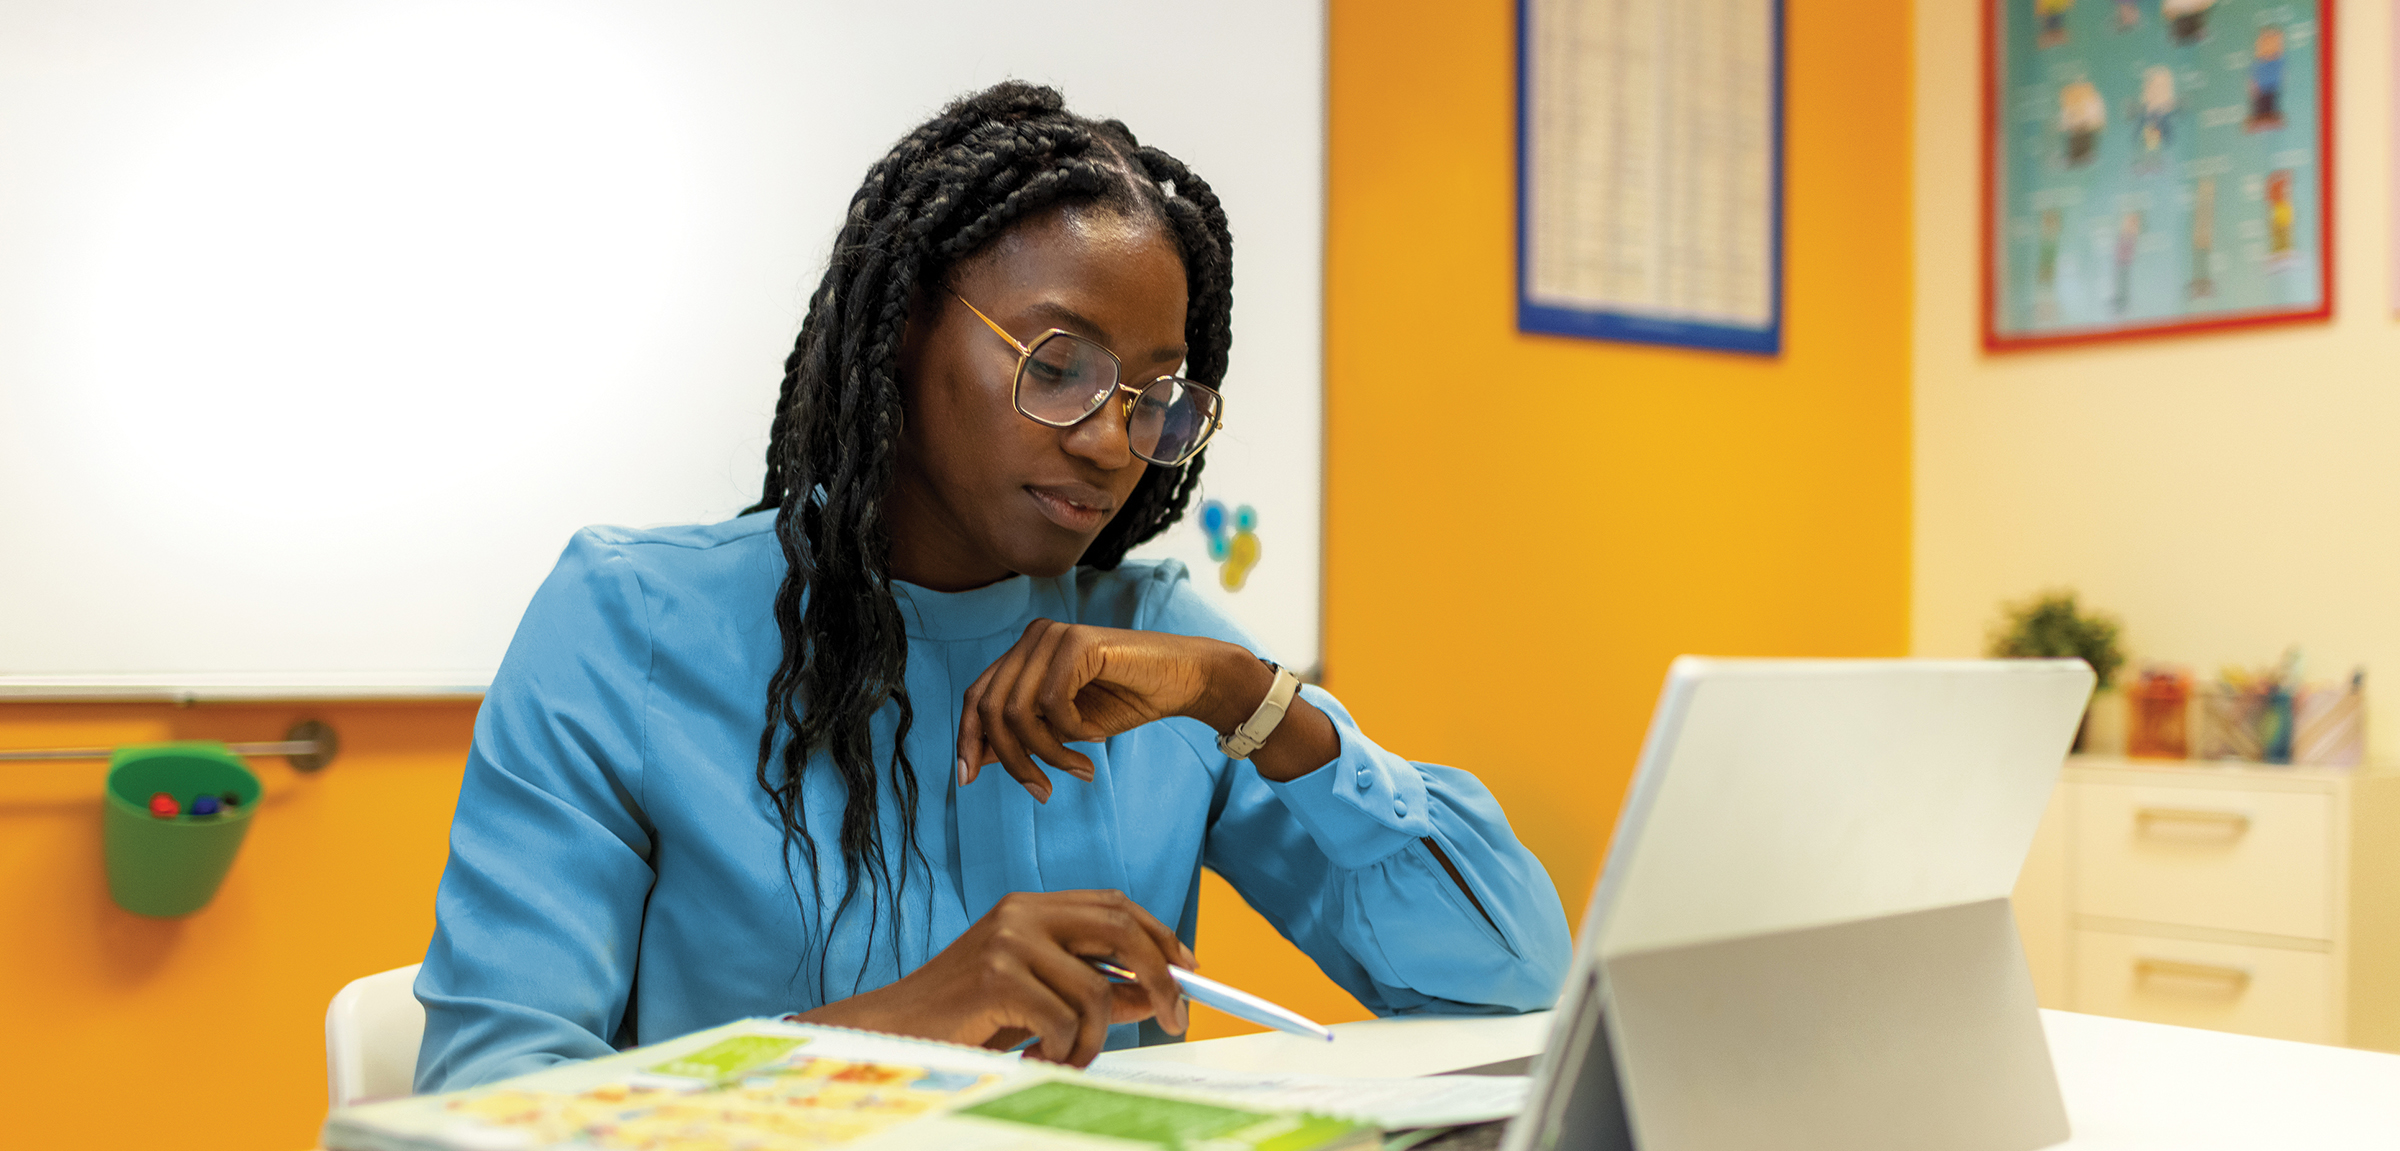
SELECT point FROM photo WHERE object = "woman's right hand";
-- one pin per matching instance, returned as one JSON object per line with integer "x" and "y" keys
{"x": 1020, "y": 971}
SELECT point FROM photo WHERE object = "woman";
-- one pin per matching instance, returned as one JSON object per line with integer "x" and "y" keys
{"x": 980, "y": 418}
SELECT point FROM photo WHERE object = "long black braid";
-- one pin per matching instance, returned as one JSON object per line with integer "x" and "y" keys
{"x": 943, "y": 193}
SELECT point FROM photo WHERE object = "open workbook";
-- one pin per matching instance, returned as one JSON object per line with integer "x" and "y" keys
{"x": 767, "y": 1085}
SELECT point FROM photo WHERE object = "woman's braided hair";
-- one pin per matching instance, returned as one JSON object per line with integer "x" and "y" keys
{"x": 944, "y": 193}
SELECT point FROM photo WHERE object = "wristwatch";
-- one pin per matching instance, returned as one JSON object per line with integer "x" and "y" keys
{"x": 1254, "y": 731}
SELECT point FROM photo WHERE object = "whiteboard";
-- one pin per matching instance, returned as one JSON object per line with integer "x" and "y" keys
{"x": 325, "y": 325}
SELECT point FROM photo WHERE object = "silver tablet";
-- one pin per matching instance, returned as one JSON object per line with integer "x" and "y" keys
{"x": 1802, "y": 937}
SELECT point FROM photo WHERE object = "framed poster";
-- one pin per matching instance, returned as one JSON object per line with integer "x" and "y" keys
{"x": 2155, "y": 166}
{"x": 1650, "y": 171}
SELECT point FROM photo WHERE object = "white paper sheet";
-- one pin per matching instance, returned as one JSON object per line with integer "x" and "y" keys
{"x": 1430, "y": 1101}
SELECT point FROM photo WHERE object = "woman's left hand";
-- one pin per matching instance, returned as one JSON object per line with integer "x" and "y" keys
{"x": 1065, "y": 682}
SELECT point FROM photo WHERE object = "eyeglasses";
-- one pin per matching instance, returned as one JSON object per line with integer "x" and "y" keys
{"x": 1062, "y": 378}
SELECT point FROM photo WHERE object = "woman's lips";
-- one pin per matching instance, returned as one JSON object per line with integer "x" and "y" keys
{"x": 1077, "y": 510}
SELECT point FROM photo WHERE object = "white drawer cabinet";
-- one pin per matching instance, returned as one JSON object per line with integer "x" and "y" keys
{"x": 2225, "y": 857}
{"x": 2277, "y": 992}
{"x": 2261, "y": 900}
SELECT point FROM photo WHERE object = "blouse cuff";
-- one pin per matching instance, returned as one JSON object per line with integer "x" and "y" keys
{"x": 1363, "y": 806}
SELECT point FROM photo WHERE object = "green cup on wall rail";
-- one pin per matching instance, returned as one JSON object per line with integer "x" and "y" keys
{"x": 167, "y": 863}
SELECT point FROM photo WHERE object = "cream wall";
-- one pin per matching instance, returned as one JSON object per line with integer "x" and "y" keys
{"x": 2226, "y": 495}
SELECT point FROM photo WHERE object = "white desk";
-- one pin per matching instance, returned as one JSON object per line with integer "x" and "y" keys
{"x": 2129, "y": 1086}
{"x": 2134, "y": 1085}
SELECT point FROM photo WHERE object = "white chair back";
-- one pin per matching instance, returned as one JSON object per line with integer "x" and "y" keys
{"x": 371, "y": 1034}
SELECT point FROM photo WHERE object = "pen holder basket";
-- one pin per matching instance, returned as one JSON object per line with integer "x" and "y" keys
{"x": 172, "y": 866}
{"x": 2160, "y": 711}
{"x": 2230, "y": 722}
{"x": 2329, "y": 727}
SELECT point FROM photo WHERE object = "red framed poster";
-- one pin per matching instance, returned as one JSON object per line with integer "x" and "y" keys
{"x": 2155, "y": 166}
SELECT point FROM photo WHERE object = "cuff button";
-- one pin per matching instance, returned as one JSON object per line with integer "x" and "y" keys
{"x": 1365, "y": 783}
{"x": 1399, "y": 807}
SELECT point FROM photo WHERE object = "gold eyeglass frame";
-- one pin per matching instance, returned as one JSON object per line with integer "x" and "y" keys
{"x": 1016, "y": 384}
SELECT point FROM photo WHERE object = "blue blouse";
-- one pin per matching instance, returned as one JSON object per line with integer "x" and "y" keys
{"x": 617, "y": 876}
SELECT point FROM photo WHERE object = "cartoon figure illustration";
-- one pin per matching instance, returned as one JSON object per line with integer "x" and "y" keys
{"x": 2279, "y": 215}
{"x": 2129, "y": 235}
{"x": 2266, "y": 81}
{"x": 1236, "y": 553}
{"x": 2045, "y": 266}
{"x": 2204, "y": 235}
{"x": 2052, "y": 16}
{"x": 2045, "y": 269}
{"x": 2081, "y": 116}
{"x": 2187, "y": 20}
{"x": 2129, "y": 13}
{"x": 2155, "y": 116}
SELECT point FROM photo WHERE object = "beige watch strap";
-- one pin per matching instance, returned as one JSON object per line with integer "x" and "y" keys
{"x": 1262, "y": 723}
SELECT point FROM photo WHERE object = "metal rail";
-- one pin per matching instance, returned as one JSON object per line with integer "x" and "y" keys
{"x": 310, "y": 746}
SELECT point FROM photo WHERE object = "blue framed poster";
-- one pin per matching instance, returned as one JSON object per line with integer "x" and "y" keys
{"x": 1650, "y": 171}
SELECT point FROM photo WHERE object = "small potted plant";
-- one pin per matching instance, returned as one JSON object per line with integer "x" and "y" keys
{"x": 2052, "y": 626}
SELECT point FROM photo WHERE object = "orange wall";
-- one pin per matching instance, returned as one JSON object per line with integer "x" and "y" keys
{"x": 1522, "y": 531}
{"x": 209, "y": 1031}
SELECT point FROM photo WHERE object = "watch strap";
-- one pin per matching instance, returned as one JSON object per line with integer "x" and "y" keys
{"x": 1254, "y": 731}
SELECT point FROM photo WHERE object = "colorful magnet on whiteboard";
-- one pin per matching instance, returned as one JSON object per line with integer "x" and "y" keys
{"x": 204, "y": 805}
{"x": 163, "y": 806}
{"x": 1212, "y": 522}
{"x": 1242, "y": 551}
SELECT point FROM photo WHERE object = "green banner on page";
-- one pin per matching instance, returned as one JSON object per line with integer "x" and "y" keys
{"x": 726, "y": 1059}
{"x": 1089, "y": 1110}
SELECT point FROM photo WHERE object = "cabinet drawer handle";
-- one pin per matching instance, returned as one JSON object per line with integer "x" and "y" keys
{"x": 2192, "y": 978}
{"x": 2215, "y": 824}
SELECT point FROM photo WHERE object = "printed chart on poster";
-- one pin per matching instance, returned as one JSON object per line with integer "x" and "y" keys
{"x": 2156, "y": 166}
{"x": 1650, "y": 171}
{"x": 283, "y": 421}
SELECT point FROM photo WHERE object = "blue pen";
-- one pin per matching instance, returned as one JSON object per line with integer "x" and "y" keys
{"x": 1230, "y": 1000}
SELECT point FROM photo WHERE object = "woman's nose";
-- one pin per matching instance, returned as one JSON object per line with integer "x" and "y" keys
{"x": 1105, "y": 436}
